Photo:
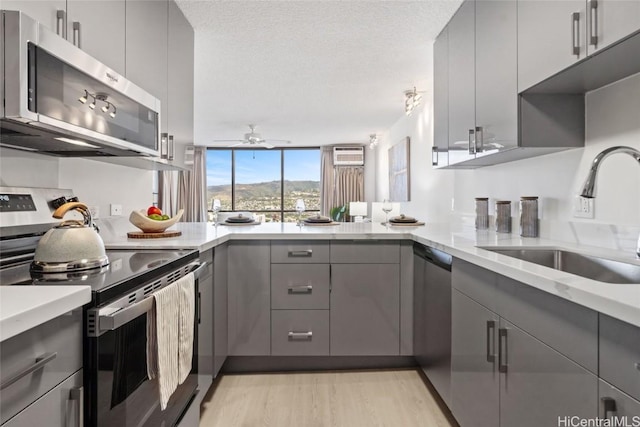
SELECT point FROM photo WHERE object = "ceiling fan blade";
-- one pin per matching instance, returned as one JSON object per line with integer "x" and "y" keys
{"x": 238, "y": 143}
{"x": 227, "y": 140}
{"x": 266, "y": 145}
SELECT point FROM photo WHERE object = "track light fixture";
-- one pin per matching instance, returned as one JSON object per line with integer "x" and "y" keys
{"x": 373, "y": 141}
{"x": 108, "y": 107}
{"x": 412, "y": 99}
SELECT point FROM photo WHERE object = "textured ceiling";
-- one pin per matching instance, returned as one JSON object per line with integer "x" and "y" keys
{"x": 313, "y": 72}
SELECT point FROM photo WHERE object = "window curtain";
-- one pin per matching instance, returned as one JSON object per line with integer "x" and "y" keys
{"x": 349, "y": 185}
{"x": 327, "y": 179}
{"x": 185, "y": 190}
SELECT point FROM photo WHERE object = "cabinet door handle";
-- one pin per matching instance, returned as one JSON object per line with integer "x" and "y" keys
{"x": 77, "y": 395}
{"x": 170, "y": 148}
{"x": 607, "y": 407}
{"x": 471, "y": 144}
{"x": 301, "y": 254}
{"x": 593, "y": 28}
{"x": 575, "y": 33}
{"x": 301, "y": 289}
{"x": 300, "y": 336}
{"x": 39, "y": 363}
{"x": 434, "y": 156}
{"x": 76, "y": 34}
{"x": 199, "y": 307}
{"x": 502, "y": 350}
{"x": 479, "y": 135}
{"x": 491, "y": 327}
{"x": 61, "y": 23}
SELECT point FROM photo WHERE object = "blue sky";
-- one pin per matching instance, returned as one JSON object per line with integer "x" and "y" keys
{"x": 299, "y": 165}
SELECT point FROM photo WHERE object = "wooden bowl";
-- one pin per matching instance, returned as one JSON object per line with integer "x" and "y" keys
{"x": 148, "y": 225}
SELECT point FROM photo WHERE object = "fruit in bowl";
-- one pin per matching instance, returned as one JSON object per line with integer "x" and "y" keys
{"x": 154, "y": 222}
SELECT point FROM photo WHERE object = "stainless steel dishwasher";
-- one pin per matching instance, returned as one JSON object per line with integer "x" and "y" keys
{"x": 432, "y": 316}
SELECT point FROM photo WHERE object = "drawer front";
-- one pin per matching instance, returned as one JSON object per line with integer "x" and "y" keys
{"x": 61, "y": 406}
{"x": 365, "y": 252}
{"x": 620, "y": 355}
{"x": 477, "y": 283}
{"x": 295, "y": 252}
{"x": 615, "y": 403}
{"x": 300, "y": 332}
{"x": 55, "y": 347}
{"x": 300, "y": 286}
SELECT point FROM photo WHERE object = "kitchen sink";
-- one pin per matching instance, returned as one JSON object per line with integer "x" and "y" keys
{"x": 591, "y": 267}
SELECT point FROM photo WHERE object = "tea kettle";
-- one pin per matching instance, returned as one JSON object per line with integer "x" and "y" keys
{"x": 71, "y": 245}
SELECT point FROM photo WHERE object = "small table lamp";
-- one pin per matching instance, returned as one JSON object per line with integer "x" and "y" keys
{"x": 358, "y": 210}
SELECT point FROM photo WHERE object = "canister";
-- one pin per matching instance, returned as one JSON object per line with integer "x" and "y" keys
{"x": 503, "y": 216}
{"x": 482, "y": 213}
{"x": 529, "y": 216}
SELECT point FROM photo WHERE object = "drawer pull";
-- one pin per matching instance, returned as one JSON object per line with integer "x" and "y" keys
{"x": 300, "y": 336}
{"x": 637, "y": 365}
{"x": 301, "y": 254}
{"x": 40, "y": 362}
{"x": 502, "y": 350}
{"x": 301, "y": 289}
{"x": 608, "y": 407}
{"x": 491, "y": 326}
{"x": 77, "y": 395}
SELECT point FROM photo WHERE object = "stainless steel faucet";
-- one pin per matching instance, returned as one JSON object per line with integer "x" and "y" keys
{"x": 589, "y": 188}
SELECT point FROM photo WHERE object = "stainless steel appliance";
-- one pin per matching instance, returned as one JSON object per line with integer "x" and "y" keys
{"x": 117, "y": 391}
{"x": 432, "y": 316}
{"x": 58, "y": 100}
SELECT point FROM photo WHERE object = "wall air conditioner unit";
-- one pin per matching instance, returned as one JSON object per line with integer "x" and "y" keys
{"x": 348, "y": 156}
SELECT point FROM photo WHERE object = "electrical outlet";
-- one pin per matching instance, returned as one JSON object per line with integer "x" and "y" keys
{"x": 583, "y": 207}
{"x": 95, "y": 212}
{"x": 116, "y": 210}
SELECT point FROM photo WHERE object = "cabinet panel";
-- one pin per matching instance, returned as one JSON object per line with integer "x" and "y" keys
{"x": 610, "y": 21}
{"x": 462, "y": 83}
{"x": 365, "y": 252}
{"x": 540, "y": 384}
{"x": 220, "y": 296}
{"x": 299, "y": 252}
{"x": 496, "y": 75}
{"x": 615, "y": 403}
{"x": 205, "y": 326}
{"x": 406, "y": 298}
{"x": 43, "y": 11}
{"x": 476, "y": 282}
{"x": 546, "y": 37}
{"x": 249, "y": 296}
{"x": 365, "y": 309}
{"x": 441, "y": 99}
{"x": 475, "y": 394}
{"x": 59, "y": 407}
{"x": 551, "y": 319}
{"x": 146, "y": 53}
{"x": 300, "y": 286}
{"x": 300, "y": 332}
{"x": 620, "y": 354}
{"x": 102, "y": 30}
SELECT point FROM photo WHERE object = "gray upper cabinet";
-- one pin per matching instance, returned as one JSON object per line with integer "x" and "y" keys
{"x": 496, "y": 73}
{"x": 43, "y": 11}
{"x": 551, "y": 36}
{"x": 365, "y": 309}
{"x": 249, "y": 298}
{"x": 610, "y": 20}
{"x": 98, "y": 28}
{"x": 462, "y": 84}
{"x": 441, "y": 100}
{"x": 475, "y": 393}
{"x": 146, "y": 53}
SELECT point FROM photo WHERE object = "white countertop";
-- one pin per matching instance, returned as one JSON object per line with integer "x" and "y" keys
{"x": 621, "y": 301}
{"x": 25, "y": 307}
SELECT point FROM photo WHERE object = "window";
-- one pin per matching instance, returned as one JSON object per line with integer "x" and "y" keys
{"x": 264, "y": 181}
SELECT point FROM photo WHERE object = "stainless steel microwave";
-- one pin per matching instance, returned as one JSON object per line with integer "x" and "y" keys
{"x": 59, "y": 100}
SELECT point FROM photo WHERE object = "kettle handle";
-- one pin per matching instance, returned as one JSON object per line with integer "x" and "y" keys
{"x": 80, "y": 207}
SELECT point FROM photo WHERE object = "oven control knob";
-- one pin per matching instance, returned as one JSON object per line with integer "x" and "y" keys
{"x": 56, "y": 203}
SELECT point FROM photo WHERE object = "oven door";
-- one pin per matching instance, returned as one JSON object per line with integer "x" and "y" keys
{"x": 118, "y": 391}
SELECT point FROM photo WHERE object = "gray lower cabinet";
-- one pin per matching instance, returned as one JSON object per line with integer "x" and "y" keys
{"x": 249, "y": 298}
{"x": 220, "y": 312}
{"x": 205, "y": 323}
{"x": 300, "y": 332}
{"x": 60, "y": 407}
{"x": 300, "y": 286}
{"x": 616, "y": 404}
{"x": 538, "y": 385}
{"x": 365, "y": 309}
{"x": 475, "y": 387}
{"x": 620, "y": 355}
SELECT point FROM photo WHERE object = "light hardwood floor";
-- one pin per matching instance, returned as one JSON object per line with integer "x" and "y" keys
{"x": 394, "y": 398}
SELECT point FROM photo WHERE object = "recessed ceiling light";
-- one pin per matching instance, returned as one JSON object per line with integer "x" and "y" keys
{"x": 76, "y": 142}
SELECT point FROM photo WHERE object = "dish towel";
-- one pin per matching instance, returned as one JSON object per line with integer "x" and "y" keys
{"x": 170, "y": 336}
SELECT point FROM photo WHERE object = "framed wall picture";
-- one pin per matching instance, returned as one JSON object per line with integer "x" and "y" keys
{"x": 399, "y": 174}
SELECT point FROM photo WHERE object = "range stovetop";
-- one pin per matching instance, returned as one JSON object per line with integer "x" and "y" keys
{"x": 126, "y": 270}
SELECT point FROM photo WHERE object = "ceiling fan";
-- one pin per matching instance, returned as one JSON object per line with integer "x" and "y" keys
{"x": 253, "y": 139}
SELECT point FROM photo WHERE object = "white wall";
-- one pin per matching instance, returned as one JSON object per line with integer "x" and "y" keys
{"x": 23, "y": 169}
{"x": 613, "y": 118}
